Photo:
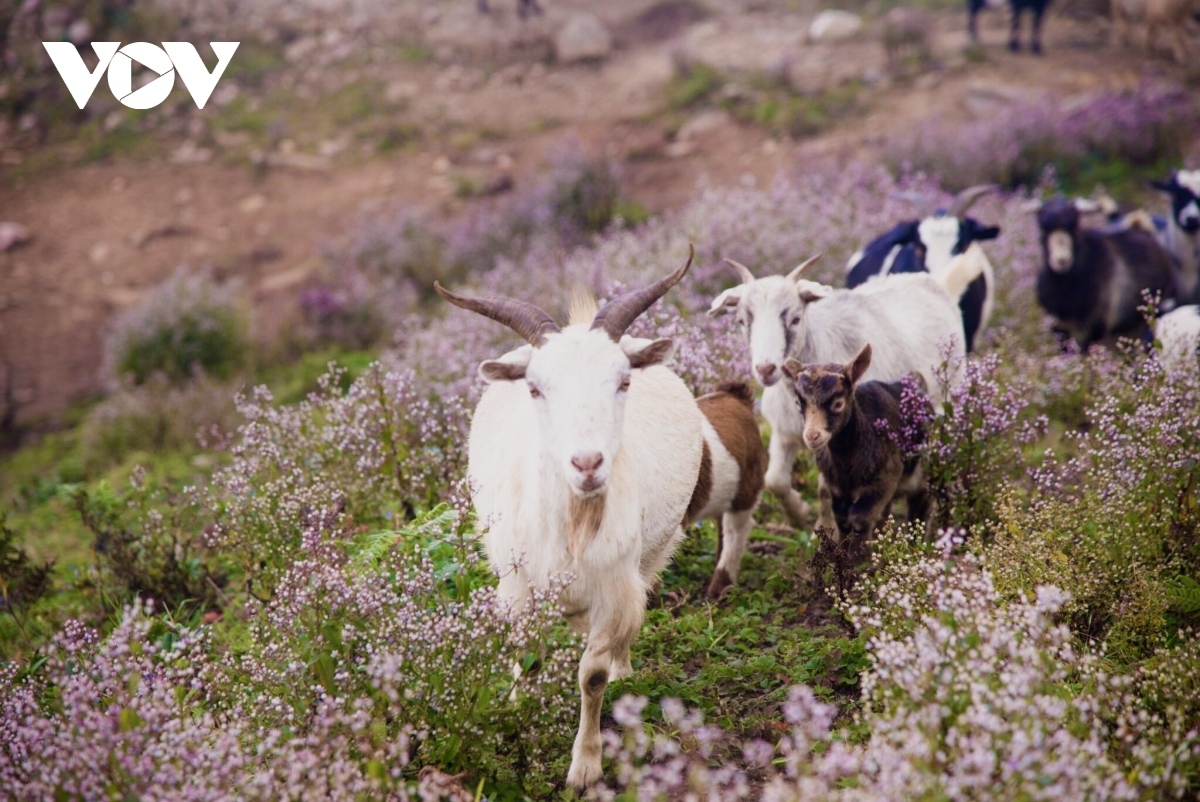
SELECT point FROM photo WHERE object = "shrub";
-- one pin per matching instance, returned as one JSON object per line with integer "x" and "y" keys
{"x": 147, "y": 545}
{"x": 23, "y": 581}
{"x": 383, "y": 450}
{"x": 1143, "y": 128}
{"x": 185, "y": 324}
{"x": 977, "y": 440}
{"x": 346, "y": 315}
{"x": 357, "y": 671}
{"x": 1118, "y": 520}
{"x": 156, "y": 416}
{"x": 970, "y": 698}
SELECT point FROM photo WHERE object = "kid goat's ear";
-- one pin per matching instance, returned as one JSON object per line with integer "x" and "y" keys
{"x": 857, "y": 367}
{"x": 792, "y": 368}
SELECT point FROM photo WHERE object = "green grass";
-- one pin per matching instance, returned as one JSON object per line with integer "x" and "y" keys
{"x": 252, "y": 62}
{"x": 692, "y": 89}
{"x": 35, "y": 480}
{"x": 752, "y": 645}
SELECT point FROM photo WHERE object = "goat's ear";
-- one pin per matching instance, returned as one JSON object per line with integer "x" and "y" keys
{"x": 792, "y": 368}
{"x": 731, "y": 297}
{"x": 643, "y": 353}
{"x": 812, "y": 290}
{"x": 507, "y": 368}
{"x": 980, "y": 232}
{"x": 858, "y": 366}
{"x": 1163, "y": 185}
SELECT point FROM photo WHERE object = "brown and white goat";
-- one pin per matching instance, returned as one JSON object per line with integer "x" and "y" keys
{"x": 732, "y": 470}
{"x": 862, "y": 469}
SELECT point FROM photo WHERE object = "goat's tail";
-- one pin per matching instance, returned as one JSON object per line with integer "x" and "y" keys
{"x": 962, "y": 270}
{"x": 739, "y": 390}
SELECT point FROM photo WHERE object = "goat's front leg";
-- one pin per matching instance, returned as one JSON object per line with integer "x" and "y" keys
{"x": 615, "y": 619}
{"x": 825, "y": 516}
{"x": 866, "y": 511}
{"x": 782, "y": 458}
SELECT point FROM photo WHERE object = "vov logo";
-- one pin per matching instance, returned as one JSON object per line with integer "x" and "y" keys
{"x": 172, "y": 57}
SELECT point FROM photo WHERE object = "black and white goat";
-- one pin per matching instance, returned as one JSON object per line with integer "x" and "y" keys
{"x": 1181, "y": 233}
{"x": 928, "y": 245}
{"x": 1036, "y": 7}
{"x": 1092, "y": 279}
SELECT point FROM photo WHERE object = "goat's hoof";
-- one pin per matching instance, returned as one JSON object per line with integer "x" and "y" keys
{"x": 719, "y": 584}
{"x": 1014, "y": 46}
{"x": 1036, "y": 49}
{"x": 584, "y": 773}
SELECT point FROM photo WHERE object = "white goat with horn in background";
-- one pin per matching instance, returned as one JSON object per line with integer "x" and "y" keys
{"x": 584, "y": 455}
{"x": 911, "y": 320}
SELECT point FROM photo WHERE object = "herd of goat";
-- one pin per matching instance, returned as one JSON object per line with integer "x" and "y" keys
{"x": 589, "y": 458}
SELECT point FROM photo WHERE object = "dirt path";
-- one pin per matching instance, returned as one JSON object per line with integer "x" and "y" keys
{"x": 106, "y": 232}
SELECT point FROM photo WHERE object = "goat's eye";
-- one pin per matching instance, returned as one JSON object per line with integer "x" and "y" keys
{"x": 838, "y": 405}
{"x": 795, "y": 320}
{"x": 534, "y": 392}
{"x": 624, "y": 385}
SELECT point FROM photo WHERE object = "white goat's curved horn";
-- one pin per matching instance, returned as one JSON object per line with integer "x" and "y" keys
{"x": 743, "y": 272}
{"x": 1088, "y": 206}
{"x": 524, "y": 318}
{"x": 620, "y": 312}
{"x": 964, "y": 200}
{"x": 798, "y": 271}
{"x": 1031, "y": 206}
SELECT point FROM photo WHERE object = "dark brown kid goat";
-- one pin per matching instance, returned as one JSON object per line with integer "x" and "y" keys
{"x": 863, "y": 470}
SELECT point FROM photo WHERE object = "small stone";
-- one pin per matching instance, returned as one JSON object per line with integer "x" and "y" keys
{"x": 98, "y": 253}
{"x": 583, "y": 37}
{"x": 399, "y": 91}
{"x": 679, "y": 149}
{"x": 441, "y": 164}
{"x": 13, "y": 234}
{"x": 834, "y": 25}
{"x": 190, "y": 153}
{"x": 184, "y": 196}
{"x": 252, "y": 204}
{"x": 702, "y": 124}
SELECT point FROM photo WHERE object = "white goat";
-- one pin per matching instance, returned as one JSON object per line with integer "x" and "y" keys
{"x": 910, "y": 319}
{"x": 1179, "y": 333}
{"x": 584, "y": 454}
